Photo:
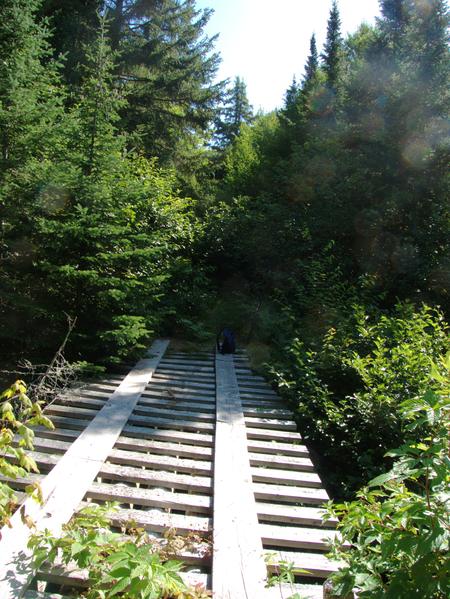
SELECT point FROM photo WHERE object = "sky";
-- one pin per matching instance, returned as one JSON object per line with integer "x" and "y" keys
{"x": 266, "y": 42}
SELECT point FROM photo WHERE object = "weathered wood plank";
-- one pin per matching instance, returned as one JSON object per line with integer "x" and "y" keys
{"x": 156, "y": 478}
{"x": 285, "y": 477}
{"x": 260, "y": 433}
{"x": 292, "y": 514}
{"x": 168, "y": 435}
{"x": 294, "y": 494}
{"x": 167, "y": 411}
{"x": 306, "y": 564}
{"x": 286, "y": 591}
{"x": 264, "y": 412}
{"x": 274, "y": 447}
{"x": 158, "y": 498}
{"x": 178, "y": 404}
{"x": 174, "y": 424}
{"x": 178, "y": 395}
{"x": 176, "y": 389}
{"x": 160, "y": 462}
{"x": 280, "y": 461}
{"x": 65, "y": 486}
{"x": 291, "y": 536}
{"x": 271, "y": 423}
{"x": 169, "y": 381}
{"x": 238, "y": 569}
{"x": 157, "y": 521}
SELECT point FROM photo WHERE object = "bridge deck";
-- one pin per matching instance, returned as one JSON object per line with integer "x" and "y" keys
{"x": 194, "y": 442}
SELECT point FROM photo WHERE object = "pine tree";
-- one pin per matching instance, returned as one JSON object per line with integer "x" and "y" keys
{"x": 31, "y": 123}
{"x": 395, "y": 13}
{"x": 73, "y": 25}
{"x": 120, "y": 242}
{"x": 30, "y": 100}
{"x": 332, "y": 52}
{"x": 168, "y": 65}
{"x": 236, "y": 111}
{"x": 312, "y": 64}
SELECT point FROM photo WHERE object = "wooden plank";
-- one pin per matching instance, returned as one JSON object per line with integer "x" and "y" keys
{"x": 40, "y": 595}
{"x": 267, "y": 412}
{"x": 185, "y": 362}
{"x": 163, "y": 381}
{"x": 165, "y": 448}
{"x": 260, "y": 433}
{"x": 280, "y": 461}
{"x": 197, "y": 376}
{"x": 287, "y": 591}
{"x": 271, "y": 423}
{"x": 168, "y": 435}
{"x": 160, "y": 462}
{"x": 158, "y": 498}
{"x": 179, "y": 395}
{"x": 156, "y": 478}
{"x": 176, "y": 389}
{"x": 274, "y": 447}
{"x": 292, "y": 514}
{"x": 66, "y": 485}
{"x": 167, "y": 411}
{"x": 298, "y": 537}
{"x": 169, "y": 367}
{"x": 81, "y": 413}
{"x": 134, "y": 444}
{"x": 157, "y": 521}
{"x": 291, "y": 494}
{"x": 238, "y": 568}
{"x": 174, "y": 424}
{"x": 285, "y": 477}
{"x": 303, "y": 563}
{"x": 177, "y": 404}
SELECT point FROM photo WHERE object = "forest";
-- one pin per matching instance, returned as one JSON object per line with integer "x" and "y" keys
{"x": 140, "y": 197}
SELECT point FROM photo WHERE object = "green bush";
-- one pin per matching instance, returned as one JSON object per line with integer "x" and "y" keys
{"x": 347, "y": 389}
{"x": 18, "y": 413}
{"x": 399, "y": 527}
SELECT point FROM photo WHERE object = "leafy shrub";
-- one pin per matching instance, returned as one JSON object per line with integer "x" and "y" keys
{"x": 399, "y": 527}
{"x": 347, "y": 389}
{"x": 18, "y": 413}
{"x": 135, "y": 567}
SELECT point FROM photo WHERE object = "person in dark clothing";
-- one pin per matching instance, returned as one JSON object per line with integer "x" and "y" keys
{"x": 226, "y": 343}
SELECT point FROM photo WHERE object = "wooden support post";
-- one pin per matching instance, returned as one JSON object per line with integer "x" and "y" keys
{"x": 65, "y": 486}
{"x": 239, "y": 570}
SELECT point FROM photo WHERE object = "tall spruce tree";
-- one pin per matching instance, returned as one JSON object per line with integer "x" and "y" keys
{"x": 312, "y": 64}
{"x": 73, "y": 24}
{"x": 235, "y": 112}
{"x": 31, "y": 123}
{"x": 332, "y": 52}
{"x": 121, "y": 239}
{"x": 168, "y": 65}
{"x": 30, "y": 97}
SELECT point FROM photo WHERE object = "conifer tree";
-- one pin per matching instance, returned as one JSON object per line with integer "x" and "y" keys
{"x": 332, "y": 52}
{"x": 111, "y": 251}
{"x": 73, "y": 24}
{"x": 31, "y": 123}
{"x": 168, "y": 65}
{"x": 312, "y": 64}
{"x": 30, "y": 99}
{"x": 236, "y": 111}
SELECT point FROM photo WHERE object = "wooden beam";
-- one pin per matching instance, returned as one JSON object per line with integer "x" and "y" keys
{"x": 65, "y": 486}
{"x": 239, "y": 571}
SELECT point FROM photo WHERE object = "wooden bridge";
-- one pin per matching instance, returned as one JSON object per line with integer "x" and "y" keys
{"x": 192, "y": 442}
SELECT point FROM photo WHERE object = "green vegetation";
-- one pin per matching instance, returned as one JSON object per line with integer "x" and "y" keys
{"x": 19, "y": 414}
{"x": 133, "y": 566}
{"x": 399, "y": 526}
{"x": 140, "y": 198}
